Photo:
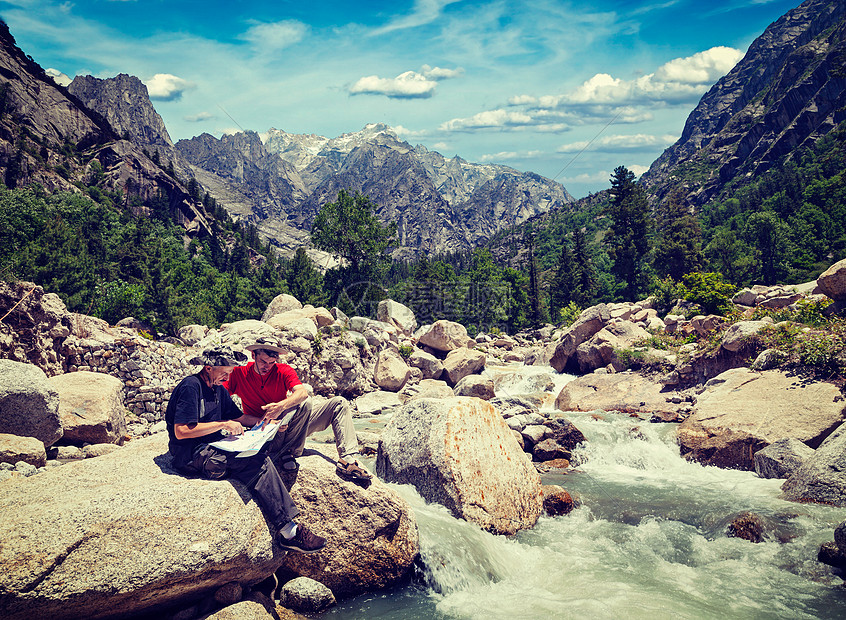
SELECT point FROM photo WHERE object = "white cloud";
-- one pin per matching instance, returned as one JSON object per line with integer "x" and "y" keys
{"x": 270, "y": 37}
{"x": 404, "y": 132}
{"x": 618, "y": 143}
{"x": 198, "y": 118}
{"x": 58, "y": 76}
{"x": 167, "y": 87}
{"x": 408, "y": 85}
{"x": 490, "y": 119}
{"x": 637, "y": 170}
{"x": 424, "y": 12}
{"x": 440, "y": 73}
{"x": 702, "y": 68}
{"x": 512, "y": 156}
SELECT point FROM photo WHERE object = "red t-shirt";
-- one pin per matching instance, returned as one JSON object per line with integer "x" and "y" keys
{"x": 256, "y": 390}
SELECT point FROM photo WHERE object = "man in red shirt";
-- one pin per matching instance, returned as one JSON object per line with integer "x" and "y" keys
{"x": 272, "y": 391}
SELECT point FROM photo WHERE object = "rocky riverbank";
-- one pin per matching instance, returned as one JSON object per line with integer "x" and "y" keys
{"x": 468, "y": 425}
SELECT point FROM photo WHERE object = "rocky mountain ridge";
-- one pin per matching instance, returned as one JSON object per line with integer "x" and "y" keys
{"x": 787, "y": 92}
{"x": 439, "y": 204}
{"x": 50, "y": 137}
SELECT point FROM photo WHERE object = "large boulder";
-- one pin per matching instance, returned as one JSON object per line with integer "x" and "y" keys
{"x": 476, "y": 386}
{"x": 602, "y": 347}
{"x": 742, "y": 411}
{"x": 371, "y": 533}
{"x": 822, "y": 477}
{"x": 427, "y": 388}
{"x": 124, "y": 533}
{"x": 237, "y": 334}
{"x": 393, "y": 312}
{"x": 627, "y": 392}
{"x": 91, "y": 407}
{"x": 462, "y": 362}
{"x": 741, "y": 333}
{"x": 781, "y": 458}
{"x": 391, "y": 372}
{"x": 29, "y": 406}
{"x": 445, "y": 336}
{"x": 373, "y": 403}
{"x": 430, "y": 366}
{"x": 192, "y": 334}
{"x": 279, "y": 304}
{"x": 832, "y": 282}
{"x": 460, "y": 453}
{"x": 14, "y": 448}
{"x": 590, "y": 321}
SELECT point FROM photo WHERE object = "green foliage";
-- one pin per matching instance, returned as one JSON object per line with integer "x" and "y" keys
{"x": 117, "y": 299}
{"x": 405, "y": 351}
{"x": 709, "y": 291}
{"x": 628, "y": 237}
{"x": 678, "y": 249}
{"x": 569, "y": 313}
{"x": 304, "y": 280}
{"x": 666, "y": 292}
{"x": 317, "y": 345}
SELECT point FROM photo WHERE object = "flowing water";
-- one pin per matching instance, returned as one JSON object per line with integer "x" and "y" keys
{"x": 648, "y": 542}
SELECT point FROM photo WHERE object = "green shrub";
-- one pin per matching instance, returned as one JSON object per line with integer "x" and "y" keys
{"x": 709, "y": 291}
{"x": 568, "y": 314}
{"x": 405, "y": 351}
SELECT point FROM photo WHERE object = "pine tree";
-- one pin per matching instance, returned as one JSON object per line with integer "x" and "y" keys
{"x": 627, "y": 238}
{"x": 678, "y": 250}
{"x": 304, "y": 280}
{"x": 584, "y": 283}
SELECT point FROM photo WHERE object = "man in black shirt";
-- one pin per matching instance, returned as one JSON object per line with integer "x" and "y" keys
{"x": 200, "y": 412}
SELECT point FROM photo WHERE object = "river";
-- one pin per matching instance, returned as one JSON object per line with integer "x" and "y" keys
{"x": 647, "y": 542}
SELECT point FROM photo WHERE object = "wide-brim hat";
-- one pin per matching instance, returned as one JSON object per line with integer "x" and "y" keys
{"x": 267, "y": 342}
{"x": 219, "y": 356}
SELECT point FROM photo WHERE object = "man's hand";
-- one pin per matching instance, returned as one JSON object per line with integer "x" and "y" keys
{"x": 272, "y": 413}
{"x": 233, "y": 426}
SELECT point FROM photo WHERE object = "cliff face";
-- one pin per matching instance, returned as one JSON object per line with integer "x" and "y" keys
{"x": 50, "y": 137}
{"x": 787, "y": 91}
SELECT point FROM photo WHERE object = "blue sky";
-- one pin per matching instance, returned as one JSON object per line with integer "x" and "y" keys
{"x": 569, "y": 90}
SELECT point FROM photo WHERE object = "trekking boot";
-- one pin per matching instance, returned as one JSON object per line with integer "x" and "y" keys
{"x": 304, "y": 541}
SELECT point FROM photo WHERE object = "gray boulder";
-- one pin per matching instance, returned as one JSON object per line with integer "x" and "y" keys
{"x": 476, "y": 386}
{"x": 125, "y": 532}
{"x": 832, "y": 282}
{"x": 445, "y": 336}
{"x": 29, "y": 406}
{"x": 740, "y": 333}
{"x": 427, "y": 388}
{"x": 462, "y": 362}
{"x": 14, "y": 448}
{"x": 460, "y": 453}
{"x": 91, "y": 407}
{"x": 371, "y": 533}
{"x": 244, "y": 610}
{"x": 391, "y": 372}
{"x": 373, "y": 403}
{"x": 590, "y": 321}
{"x": 742, "y": 411}
{"x": 430, "y": 366}
{"x": 602, "y": 347}
{"x": 781, "y": 458}
{"x": 393, "y": 312}
{"x": 279, "y": 304}
{"x": 306, "y": 595}
{"x": 822, "y": 477}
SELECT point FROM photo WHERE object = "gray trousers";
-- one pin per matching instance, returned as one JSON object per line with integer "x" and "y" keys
{"x": 307, "y": 420}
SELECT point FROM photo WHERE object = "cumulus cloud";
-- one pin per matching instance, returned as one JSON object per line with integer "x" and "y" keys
{"x": 404, "y": 132}
{"x": 58, "y": 76}
{"x": 489, "y": 119}
{"x": 199, "y": 118}
{"x": 274, "y": 36}
{"x": 167, "y": 87}
{"x": 618, "y": 143}
{"x": 409, "y": 85}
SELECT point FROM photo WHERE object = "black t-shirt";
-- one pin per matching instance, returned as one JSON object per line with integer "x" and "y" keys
{"x": 184, "y": 408}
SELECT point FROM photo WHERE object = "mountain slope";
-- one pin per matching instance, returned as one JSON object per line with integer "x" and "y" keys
{"x": 787, "y": 91}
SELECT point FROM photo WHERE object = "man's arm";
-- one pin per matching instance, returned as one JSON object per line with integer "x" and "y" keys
{"x": 273, "y": 411}
{"x": 201, "y": 429}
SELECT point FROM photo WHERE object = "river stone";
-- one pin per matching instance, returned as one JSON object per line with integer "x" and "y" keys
{"x": 781, "y": 458}
{"x": 740, "y": 333}
{"x": 550, "y": 450}
{"x": 237, "y": 334}
{"x": 748, "y": 526}
{"x": 373, "y": 403}
{"x": 557, "y": 501}
{"x": 459, "y": 452}
{"x": 628, "y": 392}
{"x": 244, "y": 610}
{"x": 742, "y": 411}
{"x": 427, "y": 388}
{"x": 429, "y": 365}
{"x": 840, "y": 538}
{"x": 590, "y": 321}
{"x": 29, "y": 405}
{"x": 371, "y": 533}
{"x": 125, "y": 532}
{"x": 91, "y": 407}
{"x": 279, "y": 304}
{"x": 391, "y": 372}
{"x": 602, "y": 347}
{"x": 306, "y": 595}
{"x": 393, "y": 312}
{"x": 822, "y": 477}
{"x": 462, "y": 362}
{"x": 832, "y": 282}
{"x": 509, "y": 406}
{"x": 192, "y": 334}
{"x": 476, "y": 386}
{"x": 445, "y": 336}
{"x": 14, "y": 448}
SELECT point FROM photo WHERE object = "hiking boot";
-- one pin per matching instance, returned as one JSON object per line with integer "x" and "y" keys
{"x": 304, "y": 541}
